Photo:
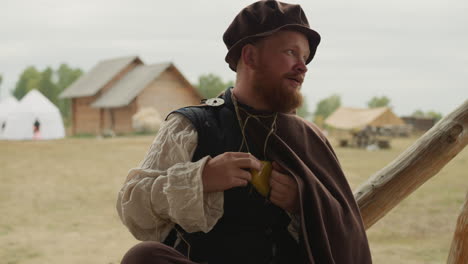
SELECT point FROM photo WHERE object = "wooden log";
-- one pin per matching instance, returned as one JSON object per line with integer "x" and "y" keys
{"x": 459, "y": 249}
{"x": 424, "y": 159}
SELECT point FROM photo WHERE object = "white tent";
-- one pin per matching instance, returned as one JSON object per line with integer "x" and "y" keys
{"x": 6, "y": 106}
{"x": 34, "y": 107}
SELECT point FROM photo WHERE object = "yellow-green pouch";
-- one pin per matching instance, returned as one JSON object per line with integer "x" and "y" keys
{"x": 261, "y": 179}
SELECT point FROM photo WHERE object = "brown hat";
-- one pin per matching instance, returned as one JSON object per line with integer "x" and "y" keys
{"x": 262, "y": 19}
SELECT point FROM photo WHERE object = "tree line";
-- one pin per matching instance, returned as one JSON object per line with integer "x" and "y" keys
{"x": 210, "y": 85}
{"x": 51, "y": 82}
{"x": 327, "y": 106}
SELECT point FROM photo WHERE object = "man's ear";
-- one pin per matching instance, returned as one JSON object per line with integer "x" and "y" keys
{"x": 249, "y": 55}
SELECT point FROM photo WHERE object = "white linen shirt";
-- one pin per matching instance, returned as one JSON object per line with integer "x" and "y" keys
{"x": 167, "y": 188}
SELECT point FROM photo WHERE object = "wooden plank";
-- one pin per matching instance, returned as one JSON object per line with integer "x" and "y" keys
{"x": 459, "y": 249}
{"x": 87, "y": 119}
{"x": 424, "y": 159}
{"x": 74, "y": 106}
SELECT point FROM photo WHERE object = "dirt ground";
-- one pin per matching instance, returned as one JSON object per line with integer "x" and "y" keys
{"x": 57, "y": 202}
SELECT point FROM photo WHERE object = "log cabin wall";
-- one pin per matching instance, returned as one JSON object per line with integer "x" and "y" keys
{"x": 119, "y": 119}
{"x": 90, "y": 120}
{"x": 123, "y": 118}
{"x": 106, "y": 119}
{"x": 86, "y": 119}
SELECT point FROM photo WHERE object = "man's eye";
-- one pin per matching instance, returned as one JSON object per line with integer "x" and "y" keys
{"x": 290, "y": 52}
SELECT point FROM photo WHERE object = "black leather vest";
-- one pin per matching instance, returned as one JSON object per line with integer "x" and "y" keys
{"x": 252, "y": 230}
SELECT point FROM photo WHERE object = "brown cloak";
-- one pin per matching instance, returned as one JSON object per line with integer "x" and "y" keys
{"x": 331, "y": 225}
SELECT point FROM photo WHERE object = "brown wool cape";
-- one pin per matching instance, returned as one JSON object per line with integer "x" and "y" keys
{"x": 331, "y": 225}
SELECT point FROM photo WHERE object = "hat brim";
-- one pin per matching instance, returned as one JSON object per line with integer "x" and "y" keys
{"x": 233, "y": 55}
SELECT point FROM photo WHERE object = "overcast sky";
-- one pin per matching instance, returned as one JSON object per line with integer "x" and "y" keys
{"x": 413, "y": 51}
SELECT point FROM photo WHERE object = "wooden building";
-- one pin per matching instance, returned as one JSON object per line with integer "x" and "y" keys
{"x": 420, "y": 124}
{"x": 114, "y": 90}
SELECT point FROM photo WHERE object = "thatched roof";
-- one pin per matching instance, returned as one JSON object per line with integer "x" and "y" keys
{"x": 90, "y": 83}
{"x": 126, "y": 89}
{"x": 356, "y": 118}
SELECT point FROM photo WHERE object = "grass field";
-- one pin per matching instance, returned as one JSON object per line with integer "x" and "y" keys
{"x": 57, "y": 202}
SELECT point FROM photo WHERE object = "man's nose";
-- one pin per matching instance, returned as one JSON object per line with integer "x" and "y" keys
{"x": 301, "y": 67}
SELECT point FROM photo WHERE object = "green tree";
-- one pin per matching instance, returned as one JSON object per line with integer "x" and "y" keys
{"x": 47, "y": 87}
{"x": 429, "y": 114}
{"x": 29, "y": 79}
{"x": 436, "y": 115}
{"x": 211, "y": 85}
{"x": 65, "y": 77}
{"x": 303, "y": 110}
{"x": 418, "y": 113}
{"x": 327, "y": 106}
{"x": 378, "y": 102}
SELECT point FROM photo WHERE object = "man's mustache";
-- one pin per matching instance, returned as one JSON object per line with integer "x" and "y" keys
{"x": 297, "y": 77}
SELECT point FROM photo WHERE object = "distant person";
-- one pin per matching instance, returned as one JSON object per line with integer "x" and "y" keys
{"x": 193, "y": 199}
{"x": 37, "y": 130}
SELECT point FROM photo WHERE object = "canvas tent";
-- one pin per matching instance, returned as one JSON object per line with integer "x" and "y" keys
{"x": 34, "y": 106}
{"x": 347, "y": 118}
{"x": 6, "y": 106}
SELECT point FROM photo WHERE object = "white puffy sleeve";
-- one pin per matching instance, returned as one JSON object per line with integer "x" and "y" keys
{"x": 167, "y": 187}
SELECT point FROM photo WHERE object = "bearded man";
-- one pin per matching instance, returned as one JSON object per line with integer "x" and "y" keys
{"x": 198, "y": 190}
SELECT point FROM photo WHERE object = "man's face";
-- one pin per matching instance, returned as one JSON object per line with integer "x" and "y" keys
{"x": 280, "y": 69}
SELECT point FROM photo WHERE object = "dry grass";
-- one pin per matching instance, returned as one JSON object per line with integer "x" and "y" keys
{"x": 57, "y": 201}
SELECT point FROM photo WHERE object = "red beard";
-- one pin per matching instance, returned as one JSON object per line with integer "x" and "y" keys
{"x": 278, "y": 98}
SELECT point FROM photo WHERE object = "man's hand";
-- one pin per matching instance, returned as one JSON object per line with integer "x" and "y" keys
{"x": 284, "y": 191}
{"x": 228, "y": 170}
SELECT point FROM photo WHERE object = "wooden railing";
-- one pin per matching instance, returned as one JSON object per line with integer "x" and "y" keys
{"x": 421, "y": 161}
{"x": 459, "y": 249}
